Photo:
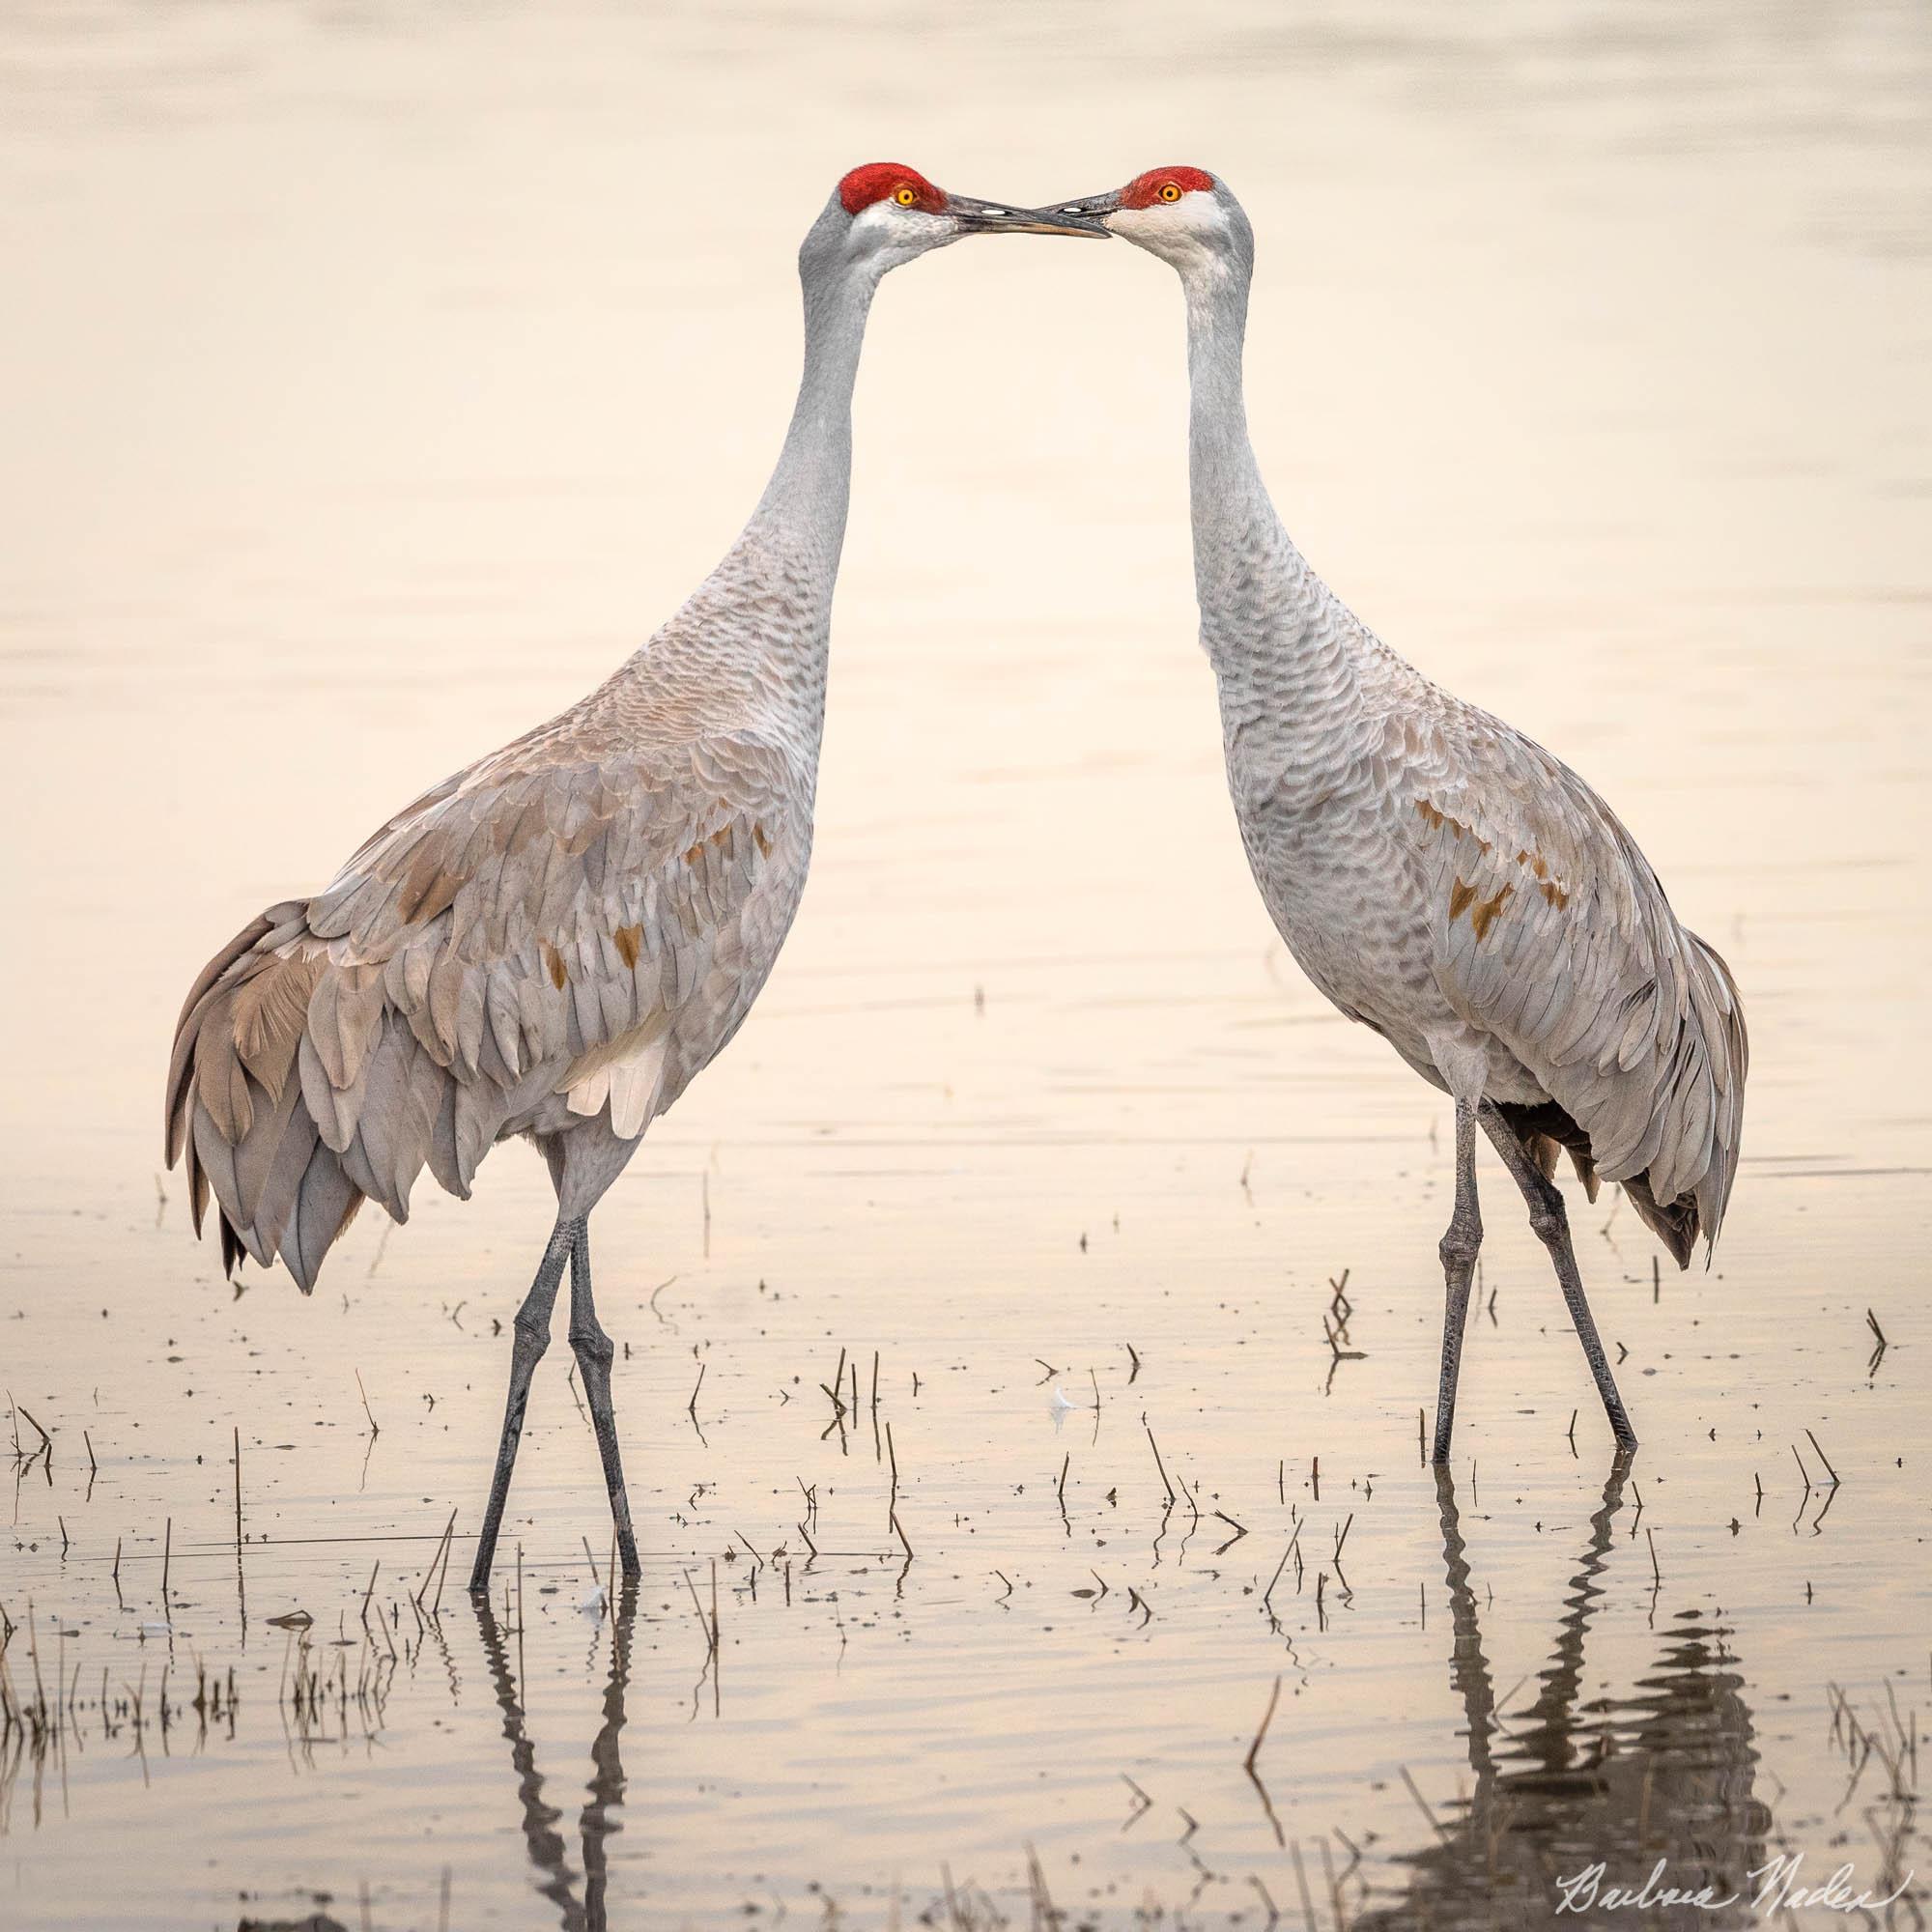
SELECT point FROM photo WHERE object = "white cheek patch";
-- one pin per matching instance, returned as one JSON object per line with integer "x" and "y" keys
{"x": 1181, "y": 232}
{"x": 884, "y": 230}
{"x": 875, "y": 224}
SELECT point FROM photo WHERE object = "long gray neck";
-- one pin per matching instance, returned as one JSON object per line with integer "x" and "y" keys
{"x": 751, "y": 643}
{"x": 748, "y": 648}
{"x": 756, "y": 631}
{"x": 804, "y": 505}
{"x": 1227, "y": 488}
{"x": 1272, "y": 628}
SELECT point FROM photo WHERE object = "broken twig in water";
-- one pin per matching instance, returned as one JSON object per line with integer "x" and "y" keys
{"x": 1276, "y": 1578}
{"x": 440, "y": 1553}
{"x": 1158, "y": 1463}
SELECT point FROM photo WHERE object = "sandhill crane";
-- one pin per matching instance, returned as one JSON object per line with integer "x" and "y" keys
{"x": 555, "y": 940}
{"x": 1440, "y": 877}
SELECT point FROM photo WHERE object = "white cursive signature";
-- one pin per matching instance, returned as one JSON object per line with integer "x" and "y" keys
{"x": 1775, "y": 1888}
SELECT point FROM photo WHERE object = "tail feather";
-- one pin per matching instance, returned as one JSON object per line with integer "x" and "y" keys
{"x": 1546, "y": 1151}
{"x": 1730, "y": 1047}
{"x": 197, "y": 1190}
{"x": 327, "y": 1202}
{"x": 187, "y": 1030}
{"x": 1677, "y": 1223}
{"x": 239, "y": 1116}
{"x": 281, "y": 1180}
{"x": 1586, "y": 1173}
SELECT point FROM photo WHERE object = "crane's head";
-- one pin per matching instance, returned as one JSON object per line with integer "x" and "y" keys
{"x": 885, "y": 214}
{"x": 1184, "y": 216}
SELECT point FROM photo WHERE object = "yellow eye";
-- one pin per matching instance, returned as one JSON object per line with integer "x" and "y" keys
{"x": 905, "y": 196}
{"x": 1170, "y": 191}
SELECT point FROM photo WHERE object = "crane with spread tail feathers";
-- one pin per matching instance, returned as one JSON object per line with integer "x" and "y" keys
{"x": 554, "y": 941}
{"x": 1440, "y": 877}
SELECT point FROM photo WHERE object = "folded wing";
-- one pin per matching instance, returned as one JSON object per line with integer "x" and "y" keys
{"x": 1553, "y": 935}
{"x": 540, "y": 936}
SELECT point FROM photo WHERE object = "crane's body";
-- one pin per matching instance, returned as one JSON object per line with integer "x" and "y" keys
{"x": 551, "y": 943}
{"x": 555, "y": 941}
{"x": 1441, "y": 877}
{"x": 1447, "y": 882}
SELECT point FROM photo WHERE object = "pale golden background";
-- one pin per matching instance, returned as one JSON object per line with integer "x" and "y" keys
{"x": 372, "y": 379}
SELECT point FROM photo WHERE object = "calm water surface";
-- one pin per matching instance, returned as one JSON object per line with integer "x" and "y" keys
{"x": 374, "y": 380}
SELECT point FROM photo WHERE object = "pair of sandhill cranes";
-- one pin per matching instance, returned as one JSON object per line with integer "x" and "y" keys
{"x": 554, "y": 941}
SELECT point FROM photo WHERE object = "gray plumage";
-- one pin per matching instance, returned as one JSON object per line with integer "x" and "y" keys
{"x": 565, "y": 933}
{"x": 554, "y": 941}
{"x": 1440, "y": 877}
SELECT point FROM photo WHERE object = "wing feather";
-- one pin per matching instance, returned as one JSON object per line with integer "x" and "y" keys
{"x": 593, "y": 927}
{"x": 1553, "y": 935}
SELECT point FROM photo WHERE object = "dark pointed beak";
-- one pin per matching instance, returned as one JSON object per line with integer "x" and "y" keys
{"x": 1090, "y": 208}
{"x": 999, "y": 218}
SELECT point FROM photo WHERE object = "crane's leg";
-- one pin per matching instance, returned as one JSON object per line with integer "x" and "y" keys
{"x": 594, "y": 1354}
{"x": 1459, "y": 1249}
{"x": 1547, "y": 1215}
{"x": 530, "y": 1338}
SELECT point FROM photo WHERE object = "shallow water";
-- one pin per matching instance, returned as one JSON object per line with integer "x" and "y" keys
{"x": 374, "y": 380}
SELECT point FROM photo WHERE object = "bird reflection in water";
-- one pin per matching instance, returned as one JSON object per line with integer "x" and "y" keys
{"x": 598, "y": 1820}
{"x": 1666, "y": 1771}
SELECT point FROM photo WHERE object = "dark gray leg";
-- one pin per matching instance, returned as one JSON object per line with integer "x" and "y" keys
{"x": 1459, "y": 1250}
{"x": 531, "y": 1338}
{"x": 594, "y": 1352}
{"x": 1552, "y": 1223}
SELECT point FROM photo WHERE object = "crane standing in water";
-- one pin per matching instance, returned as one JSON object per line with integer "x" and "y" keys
{"x": 1440, "y": 877}
{"x": 557, "y": 940}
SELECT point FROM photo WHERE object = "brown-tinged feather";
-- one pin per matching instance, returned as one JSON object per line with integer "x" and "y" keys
{"x": 243, "y": 941}
{"x": 270, "y": 1012}
{"x": 197, "y": 1187}
{"x": 220, "y": 1082}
